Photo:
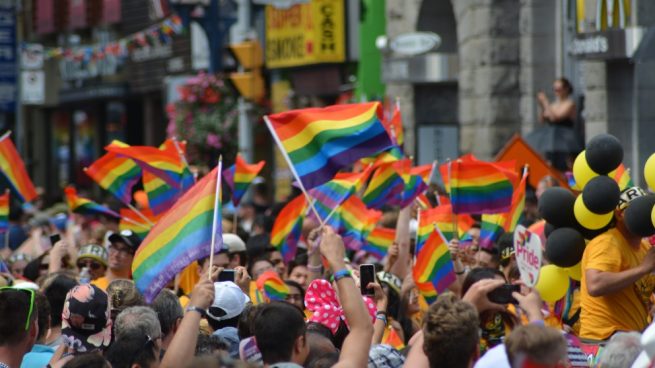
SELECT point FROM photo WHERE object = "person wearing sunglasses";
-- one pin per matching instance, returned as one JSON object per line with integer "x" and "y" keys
{"x": 94, "y": 258}
{"x": 120, "y": 255}
{"x": 18, "y": 325}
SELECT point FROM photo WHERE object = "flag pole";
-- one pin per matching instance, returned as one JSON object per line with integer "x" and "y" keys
{"x": 147, "y": 220}
{"x": 450, "y": 194}
{"x": 293, "y": 169}
{"x": 135, "y": 223}
{"x": 217, "y": 202}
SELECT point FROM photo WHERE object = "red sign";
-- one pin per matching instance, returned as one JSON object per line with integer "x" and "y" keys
{"x": 111, "y": 11}
{"x": 77, "y": 14}
{"x": 45, "y": 16}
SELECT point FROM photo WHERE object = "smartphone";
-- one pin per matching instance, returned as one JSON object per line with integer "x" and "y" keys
{"x": 366, "y": 275}
{"x": 503, "y": 294}
{"x": 54, "y": 238}
{"x": 226, "y": 275}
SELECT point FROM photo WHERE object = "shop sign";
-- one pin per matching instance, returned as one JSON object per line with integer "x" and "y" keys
{"x": 33, "y": 87}
{"x": 32, "y": 56}
{"x": 7, "y": 55}
{"x": 415, "y": 43}
{"x": 70, "y": 70}
{"x": 606, "y": 45}
{"x": 305, "y": 34}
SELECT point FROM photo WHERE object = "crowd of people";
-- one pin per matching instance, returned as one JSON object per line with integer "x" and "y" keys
{"x": 73, "y": 303}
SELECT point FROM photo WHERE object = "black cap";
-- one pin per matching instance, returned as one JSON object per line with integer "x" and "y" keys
{"x": 128, "y": 237}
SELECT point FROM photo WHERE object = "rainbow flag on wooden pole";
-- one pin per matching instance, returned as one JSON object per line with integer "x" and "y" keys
{"x": 85, "y": 206}
{"x": 479, "y": 187}
{"x": 189, "y": 231}
{"x": 239, "y": 176}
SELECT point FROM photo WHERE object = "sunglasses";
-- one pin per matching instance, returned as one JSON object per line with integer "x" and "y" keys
{"x": 30, "y": 292}
{"x": 94, "y": 265}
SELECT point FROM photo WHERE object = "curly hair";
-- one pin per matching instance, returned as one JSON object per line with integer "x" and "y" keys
{"x": 450, "y": 332}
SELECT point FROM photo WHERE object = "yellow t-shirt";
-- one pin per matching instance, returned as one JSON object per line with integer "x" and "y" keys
{"x": 625, "y": 310}
{"x": 101, "y": 283}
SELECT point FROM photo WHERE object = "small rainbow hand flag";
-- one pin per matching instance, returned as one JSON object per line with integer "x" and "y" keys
{"x": 433, "y": 263}
{"x": 392, "y": 339}
{"x": 85, "y": 206}
{"x": 116, "y": 174}
{"x": 181, "y": 236}
{"x": 330, "y": 195}
{"x": 130, "y": 220}
{"x": 318, "y": 142}
{"x": 518, "y": 205}
{"x": 479, "y": 187}
{"x": 622, "y": 176}
{"x": 287, "y": 227}
{"x": 356, "y": 221}
{"x": 13, "y": 168}
{"x": 378, "y": 242}
{"x": 394, "y": 126}
{"x": 384, "y": 185}
{"x": 4, "y": 212}
{"x": 443, "y": 218}
{"x": 491, "y": 228}
{"x": 239, "y": 176}
{"x": 272, "y": 286}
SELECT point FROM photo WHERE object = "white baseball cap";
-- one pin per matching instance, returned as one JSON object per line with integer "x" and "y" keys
{"x": 234, "y": 243}
{"x": 229, "y": 301}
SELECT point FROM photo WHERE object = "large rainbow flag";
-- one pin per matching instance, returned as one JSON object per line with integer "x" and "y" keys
{"x": 116, "y": 174}
{"x": 181, "y": 236}
{"x": 4, "y": 212}
{"x": 13, "y": 168}
{"x": 239, "y": 176}
{"x": 85, "y": 206}
{"x": 479, "y": 187}
{"x": 320, "y": 141}
{"x": 287, "y": 227}
{"x": 433, "y": 263}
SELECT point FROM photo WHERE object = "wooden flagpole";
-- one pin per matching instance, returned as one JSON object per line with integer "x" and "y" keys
{"x": 214, "y": 222}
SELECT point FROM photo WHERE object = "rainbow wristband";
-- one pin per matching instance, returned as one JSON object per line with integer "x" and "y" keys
{"x": 341, "y": 274}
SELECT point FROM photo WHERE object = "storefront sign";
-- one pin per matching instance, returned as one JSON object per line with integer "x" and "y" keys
{"x": 80, "y": 70}
{"x": 7, "y": 56}
{"x": 33, "y": 87}
{"x": 32, "y": 56}
{"x": 606, "y": 45}
{"x": 527, "y": 248}
{"x": 432, "y": 67}
{"x": 305, "y": 34}
{"x": 415, "y": 43}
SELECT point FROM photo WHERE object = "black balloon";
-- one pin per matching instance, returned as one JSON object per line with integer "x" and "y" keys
{"x": 590, "y": 234}
{"x": 556, "y": 207}
{"x": 601, "y": 194}
{"x": 604, "y": 153}
{"x": 637, "y": 217}
{"x": 548, "y": 228}
{"x": 564, "y": 247}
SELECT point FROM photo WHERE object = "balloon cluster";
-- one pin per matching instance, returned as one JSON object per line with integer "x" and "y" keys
{"x": 571, "y": 220}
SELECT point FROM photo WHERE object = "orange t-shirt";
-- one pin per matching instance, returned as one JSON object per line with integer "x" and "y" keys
{"x": 625, "y": 310}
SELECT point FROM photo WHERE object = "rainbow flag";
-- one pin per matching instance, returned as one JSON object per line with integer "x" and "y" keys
{"x": 491, "y": 228}
{"x": 287, "y": 227}
{"x": 417, "y": 184}
{"x": 272, "y": 286}
{"x": 384, "y": 185}
{"x": 13, "y": 168}
{"x": 392, "y": 339}
{"x": 329, "y": 196}
{"x": 85, "y": 206}
{"x": 391, "y": 155}
{"x": 130, "y": 220}
{"x": 163, "y": 163}
{"x": 394, "y": 127}
{"x": 378, "y": 241}
{"x": 181, "y": 236}
{"x": 622, "y": 177}
{"x": 320, "y": 141}
{"x": 239, "y": 176}
{"x": 433, "y": 263}
{"x": 427, "y": 290}
{"x": 4, "y": 212}
{"x": 423, "y": 201}
{"x": 479, "y": 187}
{"x": 443, "y": 218}
{"x": 356, "y": 221}
{"x": 116, "y": 174}
{"x": 518, "y": 205}
{"x": 359, "y": 179}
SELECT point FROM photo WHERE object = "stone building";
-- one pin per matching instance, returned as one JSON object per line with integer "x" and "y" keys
{"x": 505, "y": 51}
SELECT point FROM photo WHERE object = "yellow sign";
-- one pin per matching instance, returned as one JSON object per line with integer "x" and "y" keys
{"x": 305, "y": 34}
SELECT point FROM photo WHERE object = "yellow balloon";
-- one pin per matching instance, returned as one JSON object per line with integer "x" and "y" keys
{"x": 652, "y": 216}
{"x": 649, "y": 172}
{"x": 588, "y": 219}
{"x": 553, "y": 283}
{"x": 575, "y": 272}
{"x": 581, "y": 171}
